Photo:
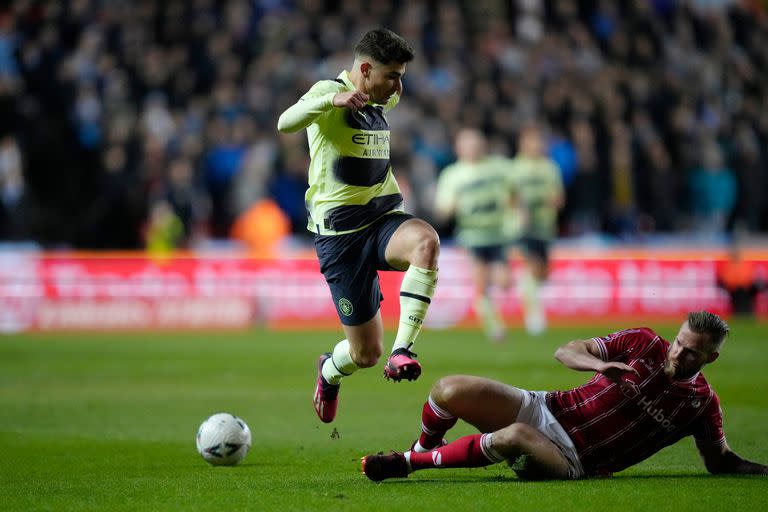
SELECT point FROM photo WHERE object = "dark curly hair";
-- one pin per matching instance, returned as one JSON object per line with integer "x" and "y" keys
{"x": 384, "y": 46}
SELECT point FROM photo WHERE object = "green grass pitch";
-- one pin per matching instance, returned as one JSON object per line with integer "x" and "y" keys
{"x": 107, "y": 422}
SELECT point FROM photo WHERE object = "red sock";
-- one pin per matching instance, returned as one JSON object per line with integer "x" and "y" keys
{"x": 435, "y": 422}
{"x": 465, "y": 452}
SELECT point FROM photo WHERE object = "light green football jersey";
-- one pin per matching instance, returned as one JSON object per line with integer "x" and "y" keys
{"x": 350, "y": 177}
{"x": 479, "y": 195}
{"x": 539, "y": 189}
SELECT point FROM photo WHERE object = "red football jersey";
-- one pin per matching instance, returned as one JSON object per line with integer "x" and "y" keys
{"x": 614, "y": 427}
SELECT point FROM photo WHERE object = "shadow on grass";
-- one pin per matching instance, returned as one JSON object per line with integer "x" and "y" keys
{"x": 680, "y": 475}
{"x": 502, "y": 479}
{"x": 235, "y": 467}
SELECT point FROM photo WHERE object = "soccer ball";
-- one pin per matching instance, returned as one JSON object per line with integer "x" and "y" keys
{"x": 223, "y": 439}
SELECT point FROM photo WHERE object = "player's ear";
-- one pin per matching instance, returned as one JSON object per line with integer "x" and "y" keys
{"x": 712, "y": 357}
{"x": 365, "y": 68}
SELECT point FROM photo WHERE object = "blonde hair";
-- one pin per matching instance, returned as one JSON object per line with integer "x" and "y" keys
{"x": 709, "y": 324}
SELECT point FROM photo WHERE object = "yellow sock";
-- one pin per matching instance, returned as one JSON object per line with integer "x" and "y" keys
{"x": 416, "y": 294}
{"x": 488, "y": 315}
{"x": 533, "y": 311}
{"x": 529, "y": 292}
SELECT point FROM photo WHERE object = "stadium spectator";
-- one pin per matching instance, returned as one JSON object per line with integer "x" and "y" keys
{"x": 262, "y": 228}
{"x": 188, "y": 201}
{"x": 79, "y": 77}
{"x": 663, "y": 187}
{"x": 751, "y": 177}
{"x": 164, "y": 231}
{"x": 713, "y": 192}
{"x": 223, "y": 162}
{"x": 477, "y": 192}
{"x": 622, "y": 218}
{"x": 651, "y": 395}
{"x": 11, "y": 189}
{"x": 738, "y": 277}
{"x": 356, "y": 212}
{"x": 288, "y": 187}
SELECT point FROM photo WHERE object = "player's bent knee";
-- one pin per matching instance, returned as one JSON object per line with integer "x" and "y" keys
{"x": 445, "y": 390}
{"x": 367, "y": 358}
{"x": 428, "y": 246}
{"x": 424, "y": 258}
{"x": 514, "y": 439}
{"x": 539, "y": 270}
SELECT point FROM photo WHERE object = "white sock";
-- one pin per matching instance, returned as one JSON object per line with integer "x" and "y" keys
{"x": 486, "y": 446}
{"x": 340, "y": 364}
{"x": 407, "y": 456}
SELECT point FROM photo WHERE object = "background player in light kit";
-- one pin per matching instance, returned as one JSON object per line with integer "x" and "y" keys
{"x": 477, "y": 191}
{"x": 540, "y": 195}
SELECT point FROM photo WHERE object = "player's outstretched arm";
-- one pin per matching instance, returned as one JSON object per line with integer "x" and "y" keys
{"x": 722, "y": 460}
{"x": 302, "y": 113}
{"x": 584, "y": 355}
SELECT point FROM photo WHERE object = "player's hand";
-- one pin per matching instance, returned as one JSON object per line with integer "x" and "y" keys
{"x": 615, "y": 371}
{"x": 353, "y": 100}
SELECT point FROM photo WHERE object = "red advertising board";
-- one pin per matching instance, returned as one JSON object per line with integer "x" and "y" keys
{"x": 134, "y": 291}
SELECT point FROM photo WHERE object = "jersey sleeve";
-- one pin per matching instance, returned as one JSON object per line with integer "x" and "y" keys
{"x": 618, "y": 345}
{"x": 510, "y": 174}
{"x": 314, "y": 103}
{"x": 556, "y": 180}
{"x": 445, "y": 192}
{"x": 708, "y": 431}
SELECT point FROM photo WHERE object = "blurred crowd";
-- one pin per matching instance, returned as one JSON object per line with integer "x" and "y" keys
{"x": 126, "y": 124}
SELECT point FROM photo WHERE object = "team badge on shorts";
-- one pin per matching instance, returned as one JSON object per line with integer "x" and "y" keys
{"x": 345, "y": 307}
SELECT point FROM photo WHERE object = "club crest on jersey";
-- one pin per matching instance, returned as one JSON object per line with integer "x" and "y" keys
{"x": 647, "y": 364}
{"x": 629, "y": 389}
{"x": 696, "y": 403}
{"x": 345, "y": 306}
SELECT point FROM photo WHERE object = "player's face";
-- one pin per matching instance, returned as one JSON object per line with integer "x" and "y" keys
{"x": 532, "y": 143}
{"x": 384, "y": 80}
{"x": 470, "y": 145}
{"x": 687, "y": 354}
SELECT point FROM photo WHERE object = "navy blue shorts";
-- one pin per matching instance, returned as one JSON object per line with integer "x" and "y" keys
{"x": 489, "y": 253}
{"x": 350, "y": 264}
{"x": 535, "y": 247}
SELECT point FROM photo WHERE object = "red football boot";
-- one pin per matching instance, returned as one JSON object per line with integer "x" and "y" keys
{"x": 402, "y": 365}
{"x": 326, "y": 397}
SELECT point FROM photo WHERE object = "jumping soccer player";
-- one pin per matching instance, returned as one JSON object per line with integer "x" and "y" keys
{"x": 356, "y": 212}
{"x": 647, "y": 394}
